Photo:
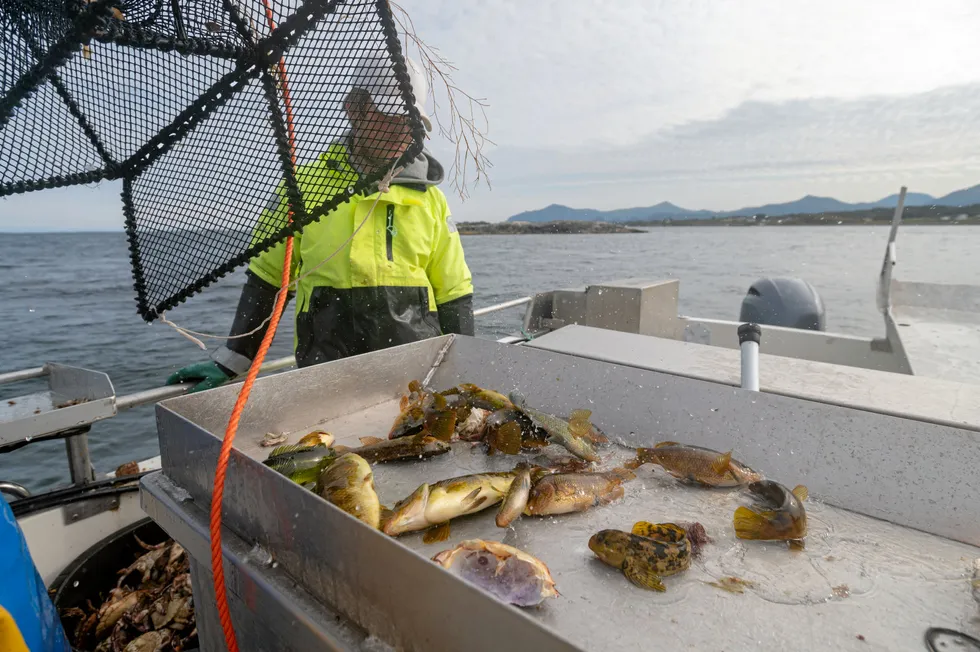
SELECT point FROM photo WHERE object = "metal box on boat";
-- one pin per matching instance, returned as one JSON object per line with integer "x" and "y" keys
{"x": 895, "y": 516}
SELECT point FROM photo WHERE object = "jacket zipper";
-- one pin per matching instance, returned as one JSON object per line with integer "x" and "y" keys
{"x": 390, "y": 231}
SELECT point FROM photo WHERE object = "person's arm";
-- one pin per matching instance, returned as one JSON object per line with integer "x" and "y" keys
{"x": 255, "y": 306}
{"x": 449, "y": 275}
{"x": 262, "y": 281}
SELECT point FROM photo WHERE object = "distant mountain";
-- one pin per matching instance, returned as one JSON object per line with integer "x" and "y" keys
{"x": 806, "y": 205}
{"x": 963, "y": 197}
{"x": 891, "y": 201}
{"x": 557, "y": 212}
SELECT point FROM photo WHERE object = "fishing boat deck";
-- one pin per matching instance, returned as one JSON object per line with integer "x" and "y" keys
{"x": 888, "y": 554}
{"x": 940, "y": 328}
{"x": 942, "y": 401}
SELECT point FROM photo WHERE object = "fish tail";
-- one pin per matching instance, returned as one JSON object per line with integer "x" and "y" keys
{"x": 748, "y": 524}
{"x": 441, "y": 425}
{"x": 507, "y": 439}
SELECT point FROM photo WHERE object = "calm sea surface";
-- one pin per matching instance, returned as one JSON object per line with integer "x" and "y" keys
{"x": 68, "y": 298}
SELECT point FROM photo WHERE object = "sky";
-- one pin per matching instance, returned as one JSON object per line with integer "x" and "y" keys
{"x": 709, "y": 104}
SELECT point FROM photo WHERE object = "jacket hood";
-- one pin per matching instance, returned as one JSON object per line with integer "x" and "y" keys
{"x": 424, "y": 170}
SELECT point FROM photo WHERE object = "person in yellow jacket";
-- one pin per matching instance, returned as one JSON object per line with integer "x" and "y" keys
{"x": 402, "y": 278}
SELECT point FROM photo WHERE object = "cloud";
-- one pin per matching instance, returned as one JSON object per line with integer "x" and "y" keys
{"x": 709, "y": 104}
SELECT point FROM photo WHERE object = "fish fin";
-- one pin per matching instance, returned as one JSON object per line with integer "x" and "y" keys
{"x": 316, "y": 437}
{"x": 476, "y": 503}
{"x": 284, "y": 449}
{"x": 722, "y": 463}
{"x": 748, "y": 524}
{"x": 580, "y": 428}
{"x": 414, "y": 386}
{"x": 368, "y": 441}
{"x": 580, "y": 415}
{"x": 642, "y": 577}
{"x": 797, "y": 544}
{"x": 633, "y": 464}
{"x": 643, "y": 528}
{"x": 664, "y": 532}
{"x": 436, "y": 533}
{"x": 441, "y": 425}
{"x": 665, "y": 443}
{"x": 623, "y": 473}
{"x": 471, "y": 499}
{"x": 801, "y": 492}
{"x": 508, "y": 438}
{"x": 340, "y": 449}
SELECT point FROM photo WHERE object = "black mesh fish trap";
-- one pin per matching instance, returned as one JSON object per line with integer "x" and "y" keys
{"x": 213, "y": 113}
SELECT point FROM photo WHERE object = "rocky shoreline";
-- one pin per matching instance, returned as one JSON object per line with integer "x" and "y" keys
{"x": 548, "y": 228}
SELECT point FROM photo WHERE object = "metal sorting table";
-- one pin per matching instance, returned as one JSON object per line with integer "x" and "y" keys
{"x": 74, "y": 399}
{"x": 894, "y": 517}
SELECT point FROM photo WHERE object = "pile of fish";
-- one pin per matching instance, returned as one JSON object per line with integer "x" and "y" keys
{"x": 149, "y": 610}
{"x": 428, "y": 424}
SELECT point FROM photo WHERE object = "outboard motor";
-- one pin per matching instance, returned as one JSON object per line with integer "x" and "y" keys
{"x": 789, "y": 302}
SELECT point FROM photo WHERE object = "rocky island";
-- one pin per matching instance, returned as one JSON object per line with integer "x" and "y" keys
{"x": 526, "y": 228}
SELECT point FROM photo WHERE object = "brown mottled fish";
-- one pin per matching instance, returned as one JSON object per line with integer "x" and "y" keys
{"x": 644, "y": 560}
{"x": 376, "y": 450}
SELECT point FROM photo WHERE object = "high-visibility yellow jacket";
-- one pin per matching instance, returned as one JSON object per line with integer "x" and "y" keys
{"x": 402, "y": 278}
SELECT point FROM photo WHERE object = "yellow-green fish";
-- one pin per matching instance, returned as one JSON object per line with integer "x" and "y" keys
{"x": 301, "y": 464}
{"x": 777, "y": 515}
{"x": 575, "y": 434}
{"x": 562, "y": 493}
{"x": 348, "y": 483}
{"x": 695, "y": 464}
{"x": 436, "y": 504}
{"x": 644, "y": 559}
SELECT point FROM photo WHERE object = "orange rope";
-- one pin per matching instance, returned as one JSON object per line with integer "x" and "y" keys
{"x": 217, "y": 560}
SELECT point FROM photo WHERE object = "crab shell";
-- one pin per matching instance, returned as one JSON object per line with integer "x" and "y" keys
{"x": 509, "y": 574}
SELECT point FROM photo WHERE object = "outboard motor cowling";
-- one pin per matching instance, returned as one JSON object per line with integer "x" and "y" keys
{"x": 789, "y": 302}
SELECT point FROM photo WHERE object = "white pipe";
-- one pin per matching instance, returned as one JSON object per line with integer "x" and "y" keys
{"x": 501, "y": 306}
{"x": 25, "y": 374}
{"x": 749, "y": 336}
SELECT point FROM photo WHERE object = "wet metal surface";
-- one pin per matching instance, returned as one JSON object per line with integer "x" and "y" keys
{"x": 861, "y": 583}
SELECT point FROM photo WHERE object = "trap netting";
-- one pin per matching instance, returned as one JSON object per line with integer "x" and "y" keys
{"x": 209, "y": 111}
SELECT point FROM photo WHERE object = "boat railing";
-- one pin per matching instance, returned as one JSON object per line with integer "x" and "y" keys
{"x": 76, "y": 398}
